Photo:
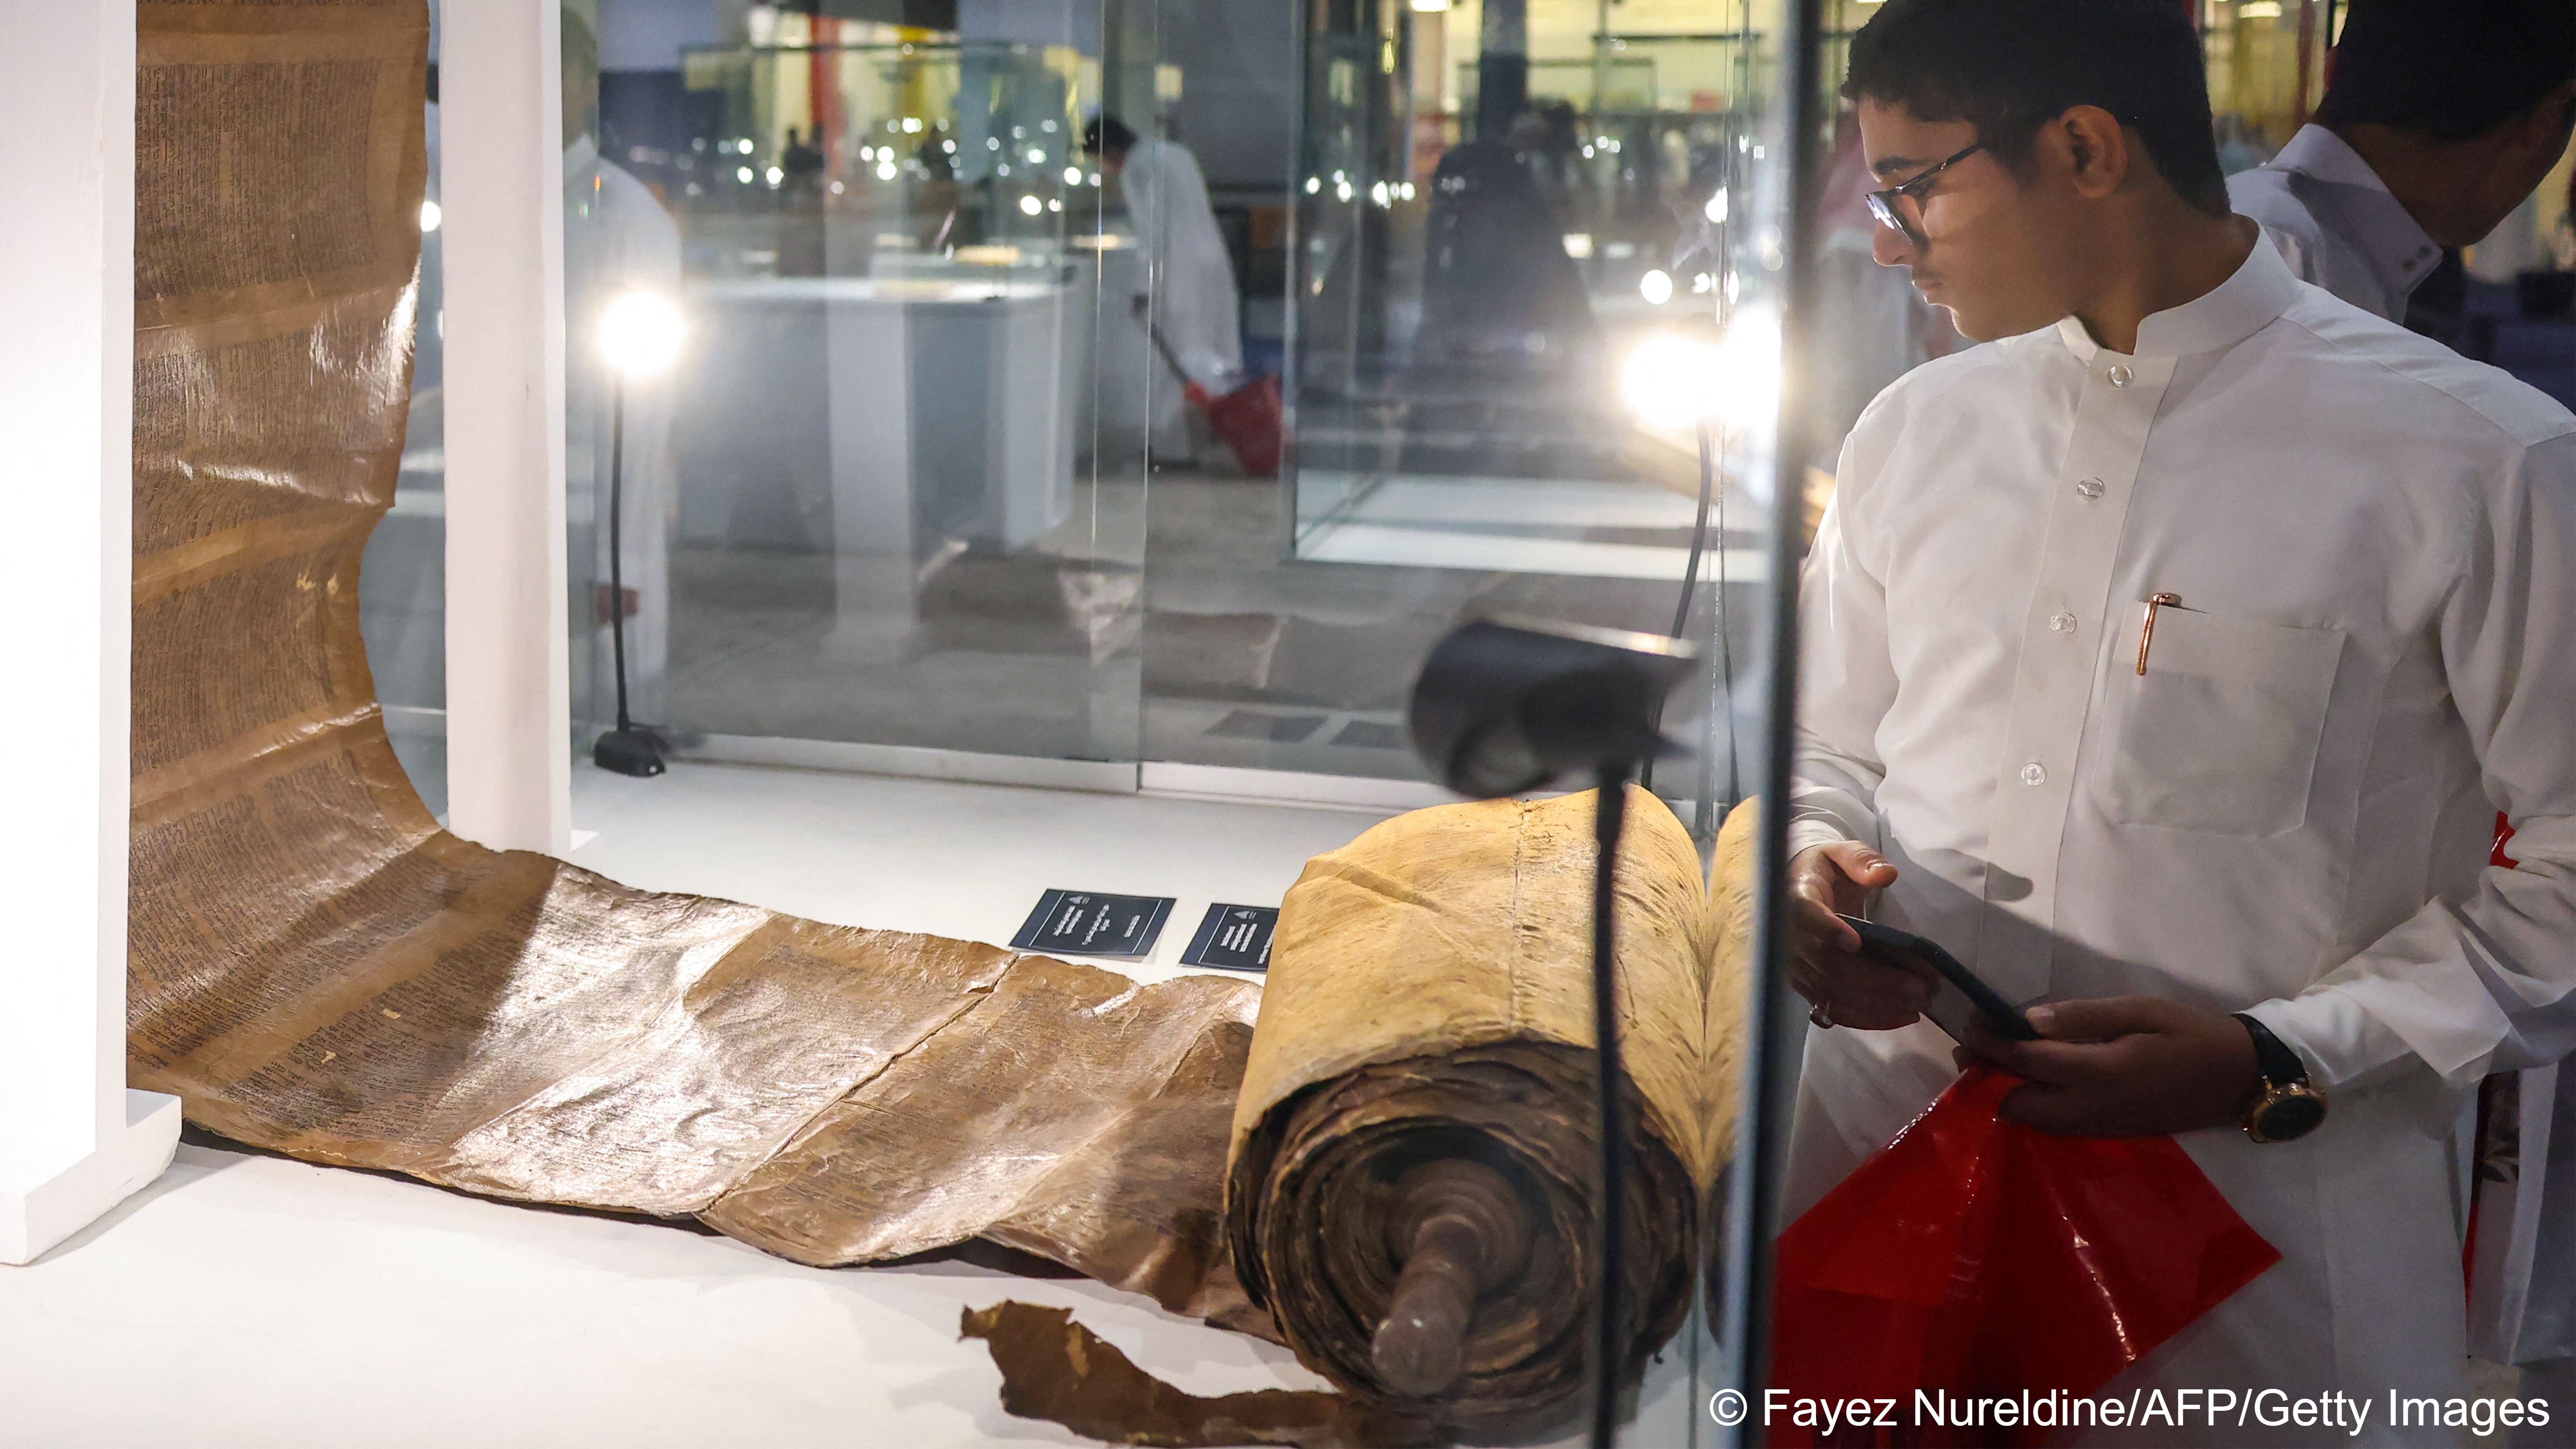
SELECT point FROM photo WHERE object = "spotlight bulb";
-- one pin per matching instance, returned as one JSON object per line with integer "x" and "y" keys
{"x": 641, "y": 332}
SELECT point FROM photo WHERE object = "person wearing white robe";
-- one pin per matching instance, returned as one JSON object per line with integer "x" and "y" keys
{"x": 2441, "y": 119}
{"x": 1194, "y": 302}
{"x": 617, "y": 237}
{"x": 2276, "y": 809}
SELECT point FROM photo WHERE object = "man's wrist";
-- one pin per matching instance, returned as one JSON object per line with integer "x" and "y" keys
{"x": 1808, "y": 832}
{"x": 2283, "y": 1106}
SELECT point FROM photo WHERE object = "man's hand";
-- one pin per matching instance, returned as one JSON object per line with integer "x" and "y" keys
{"x": 1825, "y": 963}
{"x": 2123, "y": 1066}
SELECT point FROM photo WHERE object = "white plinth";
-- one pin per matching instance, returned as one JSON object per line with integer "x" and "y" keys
{"x": 73, "y": 1140}
{"x": 46, "y": 1197}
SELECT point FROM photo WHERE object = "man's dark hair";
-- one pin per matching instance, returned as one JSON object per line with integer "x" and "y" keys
{"x": 2451, "y": 70}
{"x": 1105, "y": 134}
{"x": 2011, "y": 66}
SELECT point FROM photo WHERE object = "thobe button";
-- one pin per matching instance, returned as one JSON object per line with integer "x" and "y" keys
{"x": 2063, "y": 623}
{"x": 2032, "y": 774}
{"x": 2120, "y": 376}
{"x": 2090, "y": 487}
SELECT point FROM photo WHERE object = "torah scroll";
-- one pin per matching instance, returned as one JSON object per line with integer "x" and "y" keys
{"x": 1425, "y": 1047}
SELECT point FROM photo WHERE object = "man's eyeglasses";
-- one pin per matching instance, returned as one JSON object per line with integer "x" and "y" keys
{"x": 1900, "y": 208}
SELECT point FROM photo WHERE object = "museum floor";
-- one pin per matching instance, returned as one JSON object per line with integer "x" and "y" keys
{"x": 249, "y": 1300}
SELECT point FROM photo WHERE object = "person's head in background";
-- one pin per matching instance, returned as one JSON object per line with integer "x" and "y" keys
{"x": 2089, "y": 157}
{"x": 580, "y": 77}
{"x": 1108, "y": 138}
{"x": 2461, "y": 106}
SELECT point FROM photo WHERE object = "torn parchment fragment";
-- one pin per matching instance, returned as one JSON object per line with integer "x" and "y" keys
{"x": 1057, "y": 1370}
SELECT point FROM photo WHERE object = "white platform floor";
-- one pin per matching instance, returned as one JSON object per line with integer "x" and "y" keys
{"x": 249, "y": 1301}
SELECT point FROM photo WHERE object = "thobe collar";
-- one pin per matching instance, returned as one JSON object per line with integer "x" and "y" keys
{"x": 2391, "y": 241}
{"x": 2318, "y": 152}
{"x": 2261, "y": 289}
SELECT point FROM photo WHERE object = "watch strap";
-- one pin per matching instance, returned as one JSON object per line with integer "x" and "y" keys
{"x": 2272, "y": 1056}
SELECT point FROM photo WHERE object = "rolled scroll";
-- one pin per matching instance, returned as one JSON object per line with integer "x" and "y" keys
{"x": 1410, "y": 1182}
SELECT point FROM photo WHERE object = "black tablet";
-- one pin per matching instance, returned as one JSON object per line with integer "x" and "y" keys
{"x": 1961, "y": 993}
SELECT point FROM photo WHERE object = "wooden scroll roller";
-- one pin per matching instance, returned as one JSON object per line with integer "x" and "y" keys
{"x": 1461, "y": 1231}
{"x": 1410, "y": 1189}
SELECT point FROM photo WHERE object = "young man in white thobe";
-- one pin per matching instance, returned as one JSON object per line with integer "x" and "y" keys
{"x": 2250, "y": 871}
{"x": 2441, "y": 118}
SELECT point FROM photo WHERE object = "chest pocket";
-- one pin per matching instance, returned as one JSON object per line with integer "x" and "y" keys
{"x": 2220, "y": 734}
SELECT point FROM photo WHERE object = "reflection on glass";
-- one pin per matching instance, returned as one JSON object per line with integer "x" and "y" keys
{"x": 889, "y": 494}
{"x": 1521, "y": 296}
{"x": 402, "y": 581}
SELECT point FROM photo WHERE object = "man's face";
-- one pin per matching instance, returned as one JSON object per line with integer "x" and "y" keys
{"x": 2524, "y": 154}
{"x": 1986, "y": 238}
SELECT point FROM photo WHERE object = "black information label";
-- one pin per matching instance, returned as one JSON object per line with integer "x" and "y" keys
{"x": 1236, "y": 938}
{"x": 1085, "y": 923}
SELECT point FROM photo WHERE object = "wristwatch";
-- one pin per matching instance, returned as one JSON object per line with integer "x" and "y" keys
{"x": 2285, "y": 1108}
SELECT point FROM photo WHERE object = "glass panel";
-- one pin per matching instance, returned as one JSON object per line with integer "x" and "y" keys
{"x": 1534, "y": 288}
{"x": 402, "y": 582}
{"x": 892, "y": 491}
{"x": 1485, "y": 213}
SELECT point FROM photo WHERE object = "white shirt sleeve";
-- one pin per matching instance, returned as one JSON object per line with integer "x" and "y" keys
{"x": 2476, "y": 985}
{"x": 1847, "y": 679}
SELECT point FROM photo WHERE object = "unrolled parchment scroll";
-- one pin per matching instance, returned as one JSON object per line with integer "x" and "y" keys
{"x": 318, "y": 968}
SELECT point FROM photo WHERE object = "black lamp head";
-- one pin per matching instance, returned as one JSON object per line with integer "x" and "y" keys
{"x": 1506, "y": 705}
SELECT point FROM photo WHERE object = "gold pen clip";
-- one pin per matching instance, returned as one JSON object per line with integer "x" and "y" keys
{"x": 2147, "y": 630}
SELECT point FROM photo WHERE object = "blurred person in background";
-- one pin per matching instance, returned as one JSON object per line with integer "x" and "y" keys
{"x": 1501, "y": 299}
{"x": 2440, "y": 118}
{"x": 617, "y": 237}
{"x": 1195, "y": 307}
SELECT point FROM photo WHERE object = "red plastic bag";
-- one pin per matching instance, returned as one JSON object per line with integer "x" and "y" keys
{"x": 1975, "y": 1258}
{"x": 1248, "y": 419}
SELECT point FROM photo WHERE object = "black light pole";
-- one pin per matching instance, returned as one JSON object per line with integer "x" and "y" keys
{"x": 1505, "y": 706}
{"x": 640, "y": 333}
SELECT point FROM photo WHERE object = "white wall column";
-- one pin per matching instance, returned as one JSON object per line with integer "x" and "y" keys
{"x": 73, "y": 1141}
{"x": 509, "y": 702}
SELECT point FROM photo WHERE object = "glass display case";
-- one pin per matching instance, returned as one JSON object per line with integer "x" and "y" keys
{"x": 889, "y": 495}
{"x": 922, "y": 480}
{"x": 941, "y": 483}
{"x": 1452, "y": 254}
{"x": 1021, "y": 424}
{"x": 1520, "y": 302}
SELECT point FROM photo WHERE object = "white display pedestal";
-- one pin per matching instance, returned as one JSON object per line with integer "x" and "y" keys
{"x": 73, "y": 1140}
{"x": 47, "y": 1197}
{"x": 947, "y": 407}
